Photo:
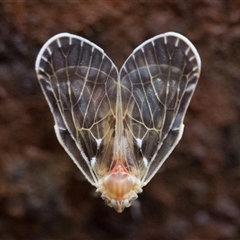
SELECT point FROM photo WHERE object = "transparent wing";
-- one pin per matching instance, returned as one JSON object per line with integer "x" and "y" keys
{"x": 157, "y": 83}
{"x": 79, "y": 83}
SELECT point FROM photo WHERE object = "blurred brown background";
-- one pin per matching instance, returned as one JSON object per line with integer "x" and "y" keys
{"x": 195, "y": 196}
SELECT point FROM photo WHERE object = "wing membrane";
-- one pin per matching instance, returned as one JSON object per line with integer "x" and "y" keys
{"x": 157, "y": 83}
{"x": 122, "y": 124}
{"x": 79, "y": 83}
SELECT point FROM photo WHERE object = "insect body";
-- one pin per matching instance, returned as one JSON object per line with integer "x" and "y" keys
{"x": 118, "y": 126}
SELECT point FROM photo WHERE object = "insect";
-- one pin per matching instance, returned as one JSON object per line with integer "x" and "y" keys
{"x": 118, "y": 126}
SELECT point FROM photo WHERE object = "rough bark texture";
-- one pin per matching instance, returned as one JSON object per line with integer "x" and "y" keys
{"x": 196, "y": 195}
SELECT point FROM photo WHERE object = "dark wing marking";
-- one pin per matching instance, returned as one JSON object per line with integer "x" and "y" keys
{"x": 157, "y": 83}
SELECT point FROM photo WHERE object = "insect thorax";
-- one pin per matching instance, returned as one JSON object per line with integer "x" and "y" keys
{"x": 119, "y": 188}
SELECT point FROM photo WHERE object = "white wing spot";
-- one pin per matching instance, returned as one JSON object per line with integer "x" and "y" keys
{"x": 165, "y": 40}
{"x": 186, "y": 52}
{"x": 195, "y": 68}
{"x": 167, "y": 88}
{"x": 49, "y": 89}
{"x": 99, "y": 140}
{"x": 139, "y": 142}
{"x": 190, "y": 59}
{"x": 44, "y": 59}
{"x": 70, "y": 41}
{"x": 41, "y": 69}
{"x": 93, "y": 161}
{"x": 196, "y": 74}
{"x": 177, "y": 41}
{"x": 49, "y": 50}
{"x": 190, "y": 87}
{"x": 59, "y": 43}
{"x": 145, "y": 161}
